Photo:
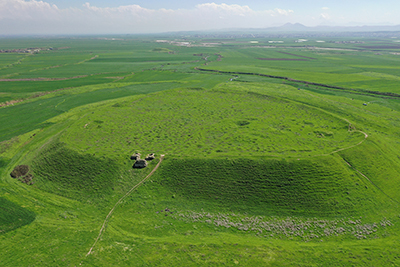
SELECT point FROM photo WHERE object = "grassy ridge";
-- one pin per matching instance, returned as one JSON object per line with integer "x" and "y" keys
{"x": 308, "y": 187}
{"x": 65, "y": 172}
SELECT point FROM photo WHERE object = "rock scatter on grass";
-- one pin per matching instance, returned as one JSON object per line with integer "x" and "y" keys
{"x": 21, "y": 172}
{"x": 141, "y": 163}
{"x": 290, "y": 227}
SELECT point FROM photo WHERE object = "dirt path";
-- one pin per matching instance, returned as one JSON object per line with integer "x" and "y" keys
{"x": 351, "y": 129}
{"x": 119, "y": 202}
{"x": 86, "y": 60}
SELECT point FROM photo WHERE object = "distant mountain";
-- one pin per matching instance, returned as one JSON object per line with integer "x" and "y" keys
{"x": 297, "y": 27}
{"x": 293, "y": 27}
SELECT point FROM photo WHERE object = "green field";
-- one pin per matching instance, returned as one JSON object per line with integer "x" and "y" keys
{"x": 274, "y": 155}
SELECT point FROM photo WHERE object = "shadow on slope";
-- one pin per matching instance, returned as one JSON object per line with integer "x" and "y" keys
{"x": 67, "y": 173}
{"x": 13, "y": 216}
{"x": 322, "y": 186}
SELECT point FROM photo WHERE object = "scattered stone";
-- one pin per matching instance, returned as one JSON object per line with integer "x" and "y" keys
{"x": 150, "y": 156}
{"x": 140, "y": 163}
{"x": 19, "y": 171}
{"x": 22, "y": 173}
{"x": 135, "y": 156}
{"x": 27, "y": 179}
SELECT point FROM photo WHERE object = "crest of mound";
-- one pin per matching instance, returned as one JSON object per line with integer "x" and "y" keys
{"x": 211, "y": 123}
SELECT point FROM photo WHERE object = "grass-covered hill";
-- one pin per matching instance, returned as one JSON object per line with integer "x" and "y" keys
{"x": 256, "y": 170}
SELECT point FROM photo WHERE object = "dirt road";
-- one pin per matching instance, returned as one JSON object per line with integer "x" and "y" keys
{"x": 119, "y": 202}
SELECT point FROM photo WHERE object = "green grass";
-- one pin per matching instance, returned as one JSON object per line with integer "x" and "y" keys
{"x": 256, "y": 172}
{"x": 43, "y": 86}
{"x": 28, "y": 116}
{"x": 311, "y": 187}
{"x": 223, "y": 122}
{"x": 34, "y": 65}
{"x": 341, "y": 68}
{"x": 378, "y": 162}
{"x": 6, "y": 60}
{"x": 194, "y": 233}
{"x": 65, "y": 172}
{"x": 153, "y": 58}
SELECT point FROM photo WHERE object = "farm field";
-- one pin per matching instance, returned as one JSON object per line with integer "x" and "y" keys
{"x": 270, "y": 154}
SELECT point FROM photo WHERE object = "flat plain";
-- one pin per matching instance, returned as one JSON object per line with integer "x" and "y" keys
{"x": 276, "y": 155}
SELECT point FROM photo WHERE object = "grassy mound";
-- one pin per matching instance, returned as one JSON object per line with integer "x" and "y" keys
{"x": 309, "y": 187}
{"x": 65, "y": 172}
{"x": 13, "y": 216}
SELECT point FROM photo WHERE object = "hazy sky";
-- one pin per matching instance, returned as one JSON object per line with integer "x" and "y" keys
{"x": 148, "y": 16}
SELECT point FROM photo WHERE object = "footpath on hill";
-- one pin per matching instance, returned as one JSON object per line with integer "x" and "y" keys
{"x": 119, "y": 202}
{"x": 363, "y": 175}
